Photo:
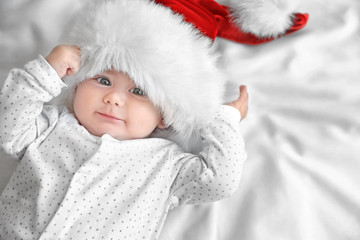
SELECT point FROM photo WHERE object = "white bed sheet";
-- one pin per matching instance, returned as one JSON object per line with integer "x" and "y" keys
{"x": 301, "y": 179}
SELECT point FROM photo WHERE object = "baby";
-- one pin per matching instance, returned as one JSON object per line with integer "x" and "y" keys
{"x": 99, "y": 171}
{"x": 95, "y": 173}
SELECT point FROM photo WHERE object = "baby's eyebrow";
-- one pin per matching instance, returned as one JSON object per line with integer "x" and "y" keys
{"x": 101, "y": 75}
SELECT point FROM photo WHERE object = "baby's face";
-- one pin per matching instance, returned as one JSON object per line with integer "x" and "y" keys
{"x": 111, "y": 103}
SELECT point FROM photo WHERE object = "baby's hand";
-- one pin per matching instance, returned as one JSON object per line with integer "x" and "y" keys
{"x": 65, "y": 59}
{"x": 241, "y": 103}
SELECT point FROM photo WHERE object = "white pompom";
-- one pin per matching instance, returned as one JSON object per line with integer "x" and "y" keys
{"x": 264, "y": 18}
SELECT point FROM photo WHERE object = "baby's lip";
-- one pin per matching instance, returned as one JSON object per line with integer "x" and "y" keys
{"x": 109, "y": 116}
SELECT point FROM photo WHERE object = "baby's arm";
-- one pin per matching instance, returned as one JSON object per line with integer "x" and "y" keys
{"x": 23, "y": 114}
{"x": 215, "y": 173}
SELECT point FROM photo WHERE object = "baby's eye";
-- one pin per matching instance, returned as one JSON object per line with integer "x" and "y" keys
{"x": 104, "y": 81}
{"x": 137, "y": 91}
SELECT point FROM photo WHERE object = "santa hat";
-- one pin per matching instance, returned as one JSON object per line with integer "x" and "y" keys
{"x": 165, "y": 48}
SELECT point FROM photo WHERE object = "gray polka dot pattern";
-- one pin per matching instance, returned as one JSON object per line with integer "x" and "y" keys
{"x": 72, "y": 185}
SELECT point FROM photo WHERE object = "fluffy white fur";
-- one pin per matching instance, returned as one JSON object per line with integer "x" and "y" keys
{"x": 264, "y": 18}
{"x": 165, "y": 56}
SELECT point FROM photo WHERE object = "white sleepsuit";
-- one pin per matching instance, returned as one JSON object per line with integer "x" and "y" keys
{"x": 70, "y": 184}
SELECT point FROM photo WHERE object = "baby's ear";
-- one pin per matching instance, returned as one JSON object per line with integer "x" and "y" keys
{"x": 161, "y": 124}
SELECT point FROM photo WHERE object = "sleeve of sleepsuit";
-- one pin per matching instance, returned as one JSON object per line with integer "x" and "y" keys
{"x": 215, "y": 173}
{"x": 23, "y": 113}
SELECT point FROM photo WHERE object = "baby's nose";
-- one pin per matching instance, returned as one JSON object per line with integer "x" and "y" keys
{"x": 115, "y": 98}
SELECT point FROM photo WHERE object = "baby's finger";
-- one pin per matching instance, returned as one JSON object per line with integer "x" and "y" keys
{"x": 74, "y": 61}
{"x": 243, "y": 101}
{"x": 243, "y": 93}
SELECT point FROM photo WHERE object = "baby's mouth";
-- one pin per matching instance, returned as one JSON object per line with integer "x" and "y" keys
{"x": 109, "y": 117}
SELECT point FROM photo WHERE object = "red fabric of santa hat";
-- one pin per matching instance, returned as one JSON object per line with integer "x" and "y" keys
{"x": 248, "y": 22}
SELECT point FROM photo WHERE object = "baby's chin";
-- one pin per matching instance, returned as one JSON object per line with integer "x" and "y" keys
{"x": 118, "y": 136}
{"x": 120, "y": 132}
{"x": 101, "y": 131}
